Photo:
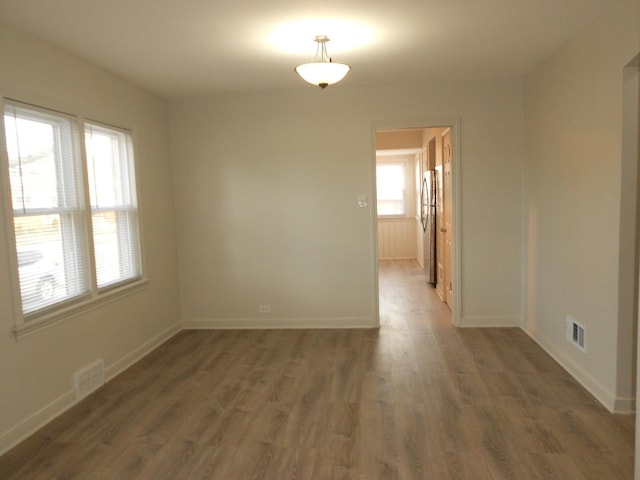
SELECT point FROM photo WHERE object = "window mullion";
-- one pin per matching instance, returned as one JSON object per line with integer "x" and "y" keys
{"x": 87, "y": 211}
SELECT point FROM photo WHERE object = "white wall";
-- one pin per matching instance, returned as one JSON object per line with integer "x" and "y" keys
{"x": 572, "y": 203}
{"x": 36, "y": 371}
{"x": 266, "y": 189}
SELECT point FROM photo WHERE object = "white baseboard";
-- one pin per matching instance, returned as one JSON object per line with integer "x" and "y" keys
{"x": 16, "y": 434}
{"x": 607, "y": 398}
{"x": 277, "y": 323}
{"x": 19, "y": 432}
{"x": 132, "y": 357}
{"x": 624, "y": 405}
{"x": 487, "y": 322}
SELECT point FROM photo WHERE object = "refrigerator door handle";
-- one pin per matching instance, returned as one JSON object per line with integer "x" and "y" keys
{"x": 424, "y": 205}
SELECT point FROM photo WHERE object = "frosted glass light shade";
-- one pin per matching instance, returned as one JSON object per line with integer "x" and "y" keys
{"x": 322, "y": 73}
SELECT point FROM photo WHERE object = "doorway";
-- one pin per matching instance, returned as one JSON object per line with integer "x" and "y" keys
{"x": 629, "y": 276}
{"x": 629, "y": 243}
{"x": 425, "y": 229}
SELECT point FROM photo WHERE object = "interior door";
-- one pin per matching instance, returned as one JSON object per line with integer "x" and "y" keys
{"x": 447, "y": 159}
{"x": 440, "y": 221}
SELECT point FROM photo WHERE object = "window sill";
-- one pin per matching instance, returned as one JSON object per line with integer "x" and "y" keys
{"x": 67, "y": 311}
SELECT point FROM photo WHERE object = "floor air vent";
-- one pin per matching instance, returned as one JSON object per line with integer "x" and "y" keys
{"x": 575, "y": 333}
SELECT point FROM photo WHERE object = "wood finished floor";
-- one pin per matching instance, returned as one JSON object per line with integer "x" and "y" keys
{"x": 417, "y": 399}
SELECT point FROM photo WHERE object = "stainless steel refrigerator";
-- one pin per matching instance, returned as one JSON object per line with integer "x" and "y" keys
{"x": 428, "y": 197}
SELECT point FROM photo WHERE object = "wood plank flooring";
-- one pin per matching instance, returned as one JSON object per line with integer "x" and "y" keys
{"x": 416, "y": 399}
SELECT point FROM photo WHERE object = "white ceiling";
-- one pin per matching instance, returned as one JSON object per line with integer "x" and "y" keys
{"x": 186, "y": 47}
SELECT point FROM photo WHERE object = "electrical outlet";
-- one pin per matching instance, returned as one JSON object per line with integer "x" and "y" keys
{"x": 264, "y": 308}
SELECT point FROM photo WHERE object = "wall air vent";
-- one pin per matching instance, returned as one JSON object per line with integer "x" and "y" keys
{"x": 89, "y": 379}
{"x": 576, "y": 333}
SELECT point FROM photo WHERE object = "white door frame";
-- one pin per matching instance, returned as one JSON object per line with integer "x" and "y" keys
{"x": 456, "y": 169}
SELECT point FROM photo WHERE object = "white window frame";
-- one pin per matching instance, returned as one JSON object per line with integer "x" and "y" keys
{"x": 27, "y": 324}
{"x": 127, "y": 205}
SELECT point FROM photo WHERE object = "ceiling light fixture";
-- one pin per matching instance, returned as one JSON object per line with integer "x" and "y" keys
{"x": 322, "y": 71}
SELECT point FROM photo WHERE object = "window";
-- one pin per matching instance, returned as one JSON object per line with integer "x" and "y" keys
{"x": 72, "y": 237}
{"x": 391, "y": 188}
{"x": 112, "y": 196}
{"x": 48, "y": 212}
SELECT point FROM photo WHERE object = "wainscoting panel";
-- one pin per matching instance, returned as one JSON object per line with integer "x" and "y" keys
{"x": 397, "y": 238}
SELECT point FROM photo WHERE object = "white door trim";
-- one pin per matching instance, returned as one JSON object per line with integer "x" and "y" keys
{"x": 456, "y": 170}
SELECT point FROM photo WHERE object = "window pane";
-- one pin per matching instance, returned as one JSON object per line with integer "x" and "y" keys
{"x": 115, "y": 252}
{"x": 390, "y": 185}
{"x": 50, "y": 233}
{"x": 108, "y": 167}
{"x": 43, "y": 162}
{"x": 48, "y": 266}
{"x": 113, "y": 204}
{"x": 32, "y": 167}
